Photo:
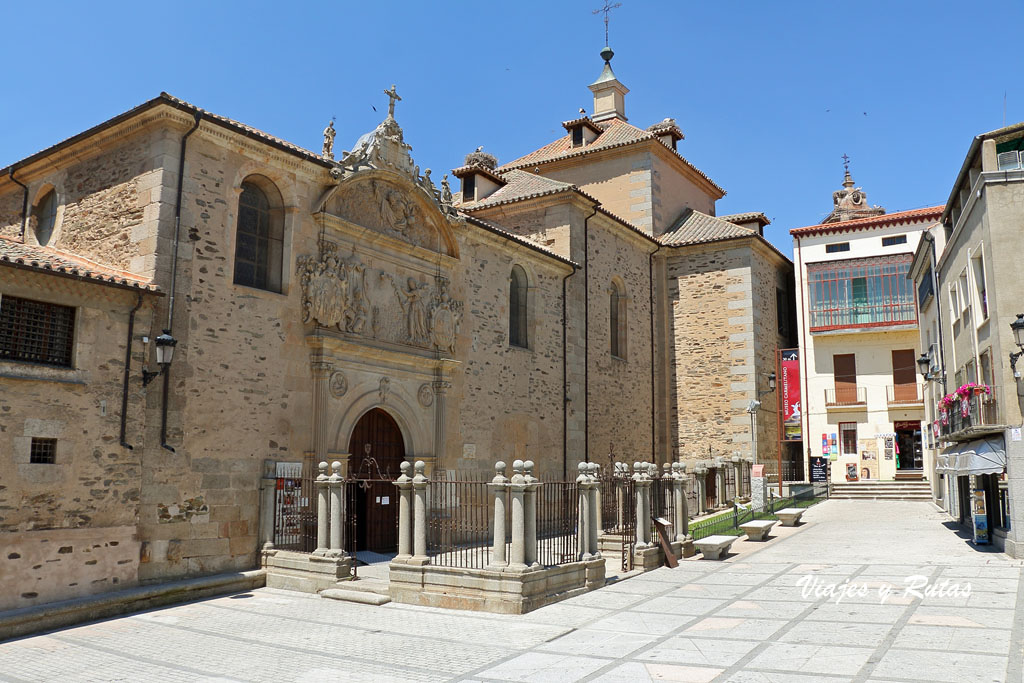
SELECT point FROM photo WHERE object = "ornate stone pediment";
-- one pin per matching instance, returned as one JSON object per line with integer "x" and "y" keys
{"x": 384, "y": 203}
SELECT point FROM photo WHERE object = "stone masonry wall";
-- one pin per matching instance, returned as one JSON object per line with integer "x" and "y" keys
{"x": 710, "y": 342}
{"x": 510, "y": 397}
{"x": 68, "y": 529}
{"x": 241, "y": 377}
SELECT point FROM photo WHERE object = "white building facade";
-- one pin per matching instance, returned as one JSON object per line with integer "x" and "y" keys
{"x": 859, "y": 340}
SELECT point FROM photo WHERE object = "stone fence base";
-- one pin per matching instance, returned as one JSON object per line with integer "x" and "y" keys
{"x": 304, "y": 572}
{"x": 502, "y": 590}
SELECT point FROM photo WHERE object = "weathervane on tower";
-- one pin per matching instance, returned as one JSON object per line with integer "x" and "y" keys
{"x": 608, "y": 7}
{"x": 846, "y": 163}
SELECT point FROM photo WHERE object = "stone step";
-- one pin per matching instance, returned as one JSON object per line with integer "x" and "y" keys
{"x": 363, "y": 591}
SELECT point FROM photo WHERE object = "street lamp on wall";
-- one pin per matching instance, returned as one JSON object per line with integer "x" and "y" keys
{"x": 1018, "y": 337}
{"x": 924, "y": 364}
{"x": 165, "y": 344}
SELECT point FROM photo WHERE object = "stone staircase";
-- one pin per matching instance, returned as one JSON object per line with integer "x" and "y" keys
{"x": 919, "y": 490}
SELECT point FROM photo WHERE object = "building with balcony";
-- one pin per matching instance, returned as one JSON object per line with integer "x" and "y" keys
{"x": 858, "y": 327}
{"x": 969, "y": 288}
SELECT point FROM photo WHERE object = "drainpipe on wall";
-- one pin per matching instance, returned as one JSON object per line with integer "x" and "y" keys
{"x": 586, "y": 338}
{"x": 650, "y": 285}
{"x": 24, "y": 203}
{"x": 174, "y": 275}
{"x": 128, "y": 369}
{"x": 803, "y": 352}
{"x": 565, "y": 382}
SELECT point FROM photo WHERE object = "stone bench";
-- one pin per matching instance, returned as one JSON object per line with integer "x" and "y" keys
{"x": 758, "y": 529}
{"x": 712, "y": 547}
{"x": 790, "y": 516}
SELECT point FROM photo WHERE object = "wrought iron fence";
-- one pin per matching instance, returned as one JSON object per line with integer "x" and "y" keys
{"x": 558, "y": 523}
{"x": 728, "y": 523}
{"x": 730, "y": 483}
{"x": 460, "y": 522}
{"x": 295, "y": 506}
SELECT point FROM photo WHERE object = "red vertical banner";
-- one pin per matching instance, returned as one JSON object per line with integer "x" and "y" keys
{"x": 792, "y": 409}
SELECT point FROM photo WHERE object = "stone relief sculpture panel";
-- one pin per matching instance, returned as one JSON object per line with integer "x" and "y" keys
{"x": 381, "y": 206}
{"x": 361, "y": 301}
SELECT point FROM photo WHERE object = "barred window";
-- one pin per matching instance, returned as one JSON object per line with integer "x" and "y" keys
{"x": 36, "y": 331}
{"x": 43, "y": 451}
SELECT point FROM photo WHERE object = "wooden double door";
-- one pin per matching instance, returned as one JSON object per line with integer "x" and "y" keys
{"x": 377, "y": 451}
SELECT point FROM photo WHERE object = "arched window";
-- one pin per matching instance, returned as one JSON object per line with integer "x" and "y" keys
{"x": 517, "y": 308}
{"x": 617, "y": 317}
{"x": 44, "y": 215}
{"x": 259, "y": 240}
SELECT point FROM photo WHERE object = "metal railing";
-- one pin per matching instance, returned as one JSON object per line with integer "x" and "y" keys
{"x": 846, "y": 396}
{"x": 459, "y": 523}
{"x": 975, "y": 412}
{"x": 904, "y": 394}
{"x": 558, "y": 522}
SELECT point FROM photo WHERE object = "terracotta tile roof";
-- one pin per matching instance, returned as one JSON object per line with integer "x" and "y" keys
{"x": 617, "y": 133}
{"x": 746, "y": 217}
{"x": 463, "y": 171}
{"x": 931, "y": 213}
{"x": 49, "y": 260}
{"x": 520, "y": 185}
{"x": 491, "y": 226}
{"x": 694, "y": 227}
{"x": 178, "y": 103}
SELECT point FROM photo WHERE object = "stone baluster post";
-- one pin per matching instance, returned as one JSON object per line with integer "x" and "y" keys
{"x": 737, "y": 465}
{"x": 517, "y": 487}
{"x": 334, "y": 483}
{"x": 499, "y": 487}
{"x": 620, "y": 475}
{"x": 700, "y": 473}
{"x": 531, "y": 485}
{"x": 720, "y": 479}
{"x": 419, "y": 530}
{"x": 594, "y": 522}
{"x": 643, "y": 489}
{"x": 405, "y": 522}
{"x": 583, "y": 527}
{"x": 323, "y": 511}
{"x": 679, "y": 500}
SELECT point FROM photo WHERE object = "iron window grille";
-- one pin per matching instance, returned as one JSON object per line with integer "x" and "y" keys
{"x": 36, "y": 331}
{"x": 43, "y": 451}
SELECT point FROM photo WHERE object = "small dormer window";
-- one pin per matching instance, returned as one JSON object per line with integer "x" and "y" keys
{"x": 469, "y": 188}
{"x": 577, "y": 136}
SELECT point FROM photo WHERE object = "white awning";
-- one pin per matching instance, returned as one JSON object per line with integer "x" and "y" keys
{"x": 983, "y": 456}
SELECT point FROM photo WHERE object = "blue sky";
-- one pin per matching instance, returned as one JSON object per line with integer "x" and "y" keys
{"x": 769, "y": 95}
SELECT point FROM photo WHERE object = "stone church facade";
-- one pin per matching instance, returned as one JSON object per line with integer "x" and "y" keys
{"x": 581, "y": 301}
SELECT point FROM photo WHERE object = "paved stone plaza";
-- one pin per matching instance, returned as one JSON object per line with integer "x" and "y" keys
{"x": 742, "y": 620}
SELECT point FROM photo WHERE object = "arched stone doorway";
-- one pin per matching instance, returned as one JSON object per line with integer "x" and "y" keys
{"x": 377, "y": 450}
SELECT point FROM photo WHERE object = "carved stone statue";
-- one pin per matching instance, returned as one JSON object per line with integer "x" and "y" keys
{"x": 446, "y": 195}
{"x": 397, "y": 212}
{"x": 356, "y": 311}
{"x": 428, "y": 185}
{"x": 415, "y": 309}
{"x": 444, "y": 318}
{"x": 329, "y": 134}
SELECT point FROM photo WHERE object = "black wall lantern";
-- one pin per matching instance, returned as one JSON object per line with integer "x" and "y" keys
{"x": 165, "y": 344}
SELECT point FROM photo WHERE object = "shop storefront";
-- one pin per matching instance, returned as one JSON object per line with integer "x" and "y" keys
{"x": 975, "y": 476}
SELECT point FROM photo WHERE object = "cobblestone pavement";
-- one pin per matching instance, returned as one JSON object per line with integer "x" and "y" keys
{"x": 746, "y": 620}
